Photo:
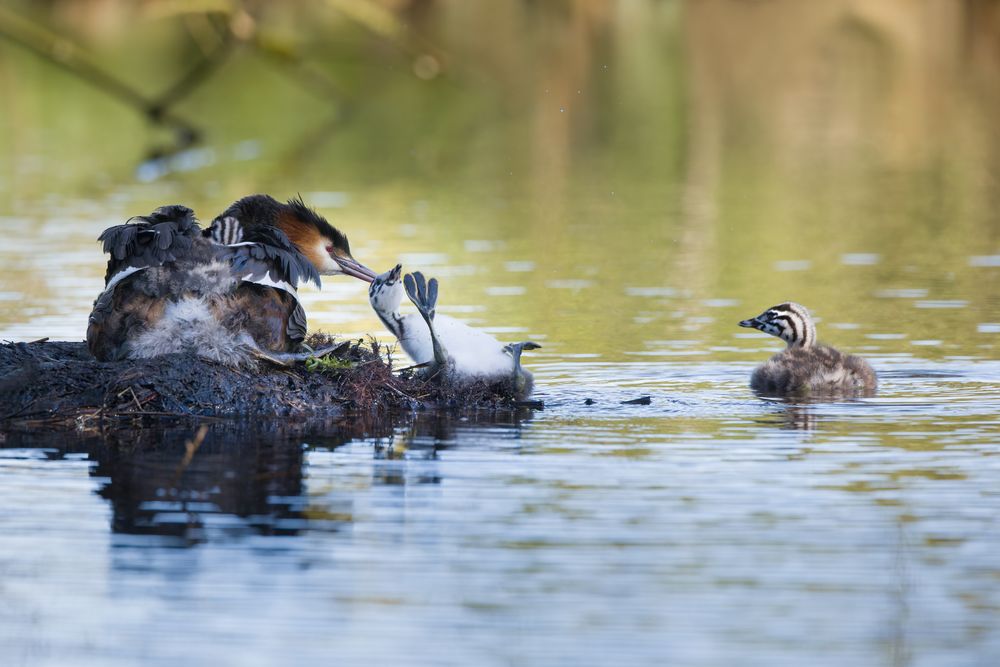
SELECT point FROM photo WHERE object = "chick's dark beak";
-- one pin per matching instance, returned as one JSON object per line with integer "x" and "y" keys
{"x": 355, "y": 269}
{"x": 750, "y": 324}
{"x": 394, "y": 274}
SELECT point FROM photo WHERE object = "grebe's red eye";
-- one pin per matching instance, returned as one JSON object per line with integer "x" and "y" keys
{"x": 329, "y": 249}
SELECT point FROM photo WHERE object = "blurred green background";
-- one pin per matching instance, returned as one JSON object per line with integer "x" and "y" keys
{"x": 614, "y": 178}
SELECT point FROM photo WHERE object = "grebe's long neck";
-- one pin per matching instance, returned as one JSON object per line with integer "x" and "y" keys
{"x": 393, "y": 321}
{"x": 385, "y": 299}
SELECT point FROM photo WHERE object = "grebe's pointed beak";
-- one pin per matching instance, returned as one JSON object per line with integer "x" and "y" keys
{"x": 750, "y": 324}
{"x": 355, "y": 269}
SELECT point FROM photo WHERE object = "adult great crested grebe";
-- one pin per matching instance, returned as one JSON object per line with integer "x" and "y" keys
{"x": 226, "y": 293}
{"x": 804, "y": 367}
{"x": 452, "y": 349}
{"x": 325, "y": 246}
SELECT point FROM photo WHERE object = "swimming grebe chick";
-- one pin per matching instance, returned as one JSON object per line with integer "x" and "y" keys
{"x": 453, "y": 350}
{"x": 228, "y": 293}
{"x": 805, "y": 367}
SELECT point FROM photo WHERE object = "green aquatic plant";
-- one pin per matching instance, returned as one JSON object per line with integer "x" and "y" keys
{"x": 328, "y": 364}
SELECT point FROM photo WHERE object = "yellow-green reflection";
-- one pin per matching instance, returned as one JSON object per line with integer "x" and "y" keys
{"x": 628, "y": 177}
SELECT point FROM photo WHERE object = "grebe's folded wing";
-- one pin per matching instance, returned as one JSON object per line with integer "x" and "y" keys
{"x": 297, "y": 325}
{"x": 148, "y": 241}
{"x": 144, "y": 242}
{"x": 267, "y": 257}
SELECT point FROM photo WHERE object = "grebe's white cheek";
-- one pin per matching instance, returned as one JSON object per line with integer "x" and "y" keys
{"x": 327, "y": 265}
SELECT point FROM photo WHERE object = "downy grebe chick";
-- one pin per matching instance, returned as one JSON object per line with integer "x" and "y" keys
{"x": 805, "y": 367}
{"x": 171, "y": 287}
{"x": 452, "y": 350}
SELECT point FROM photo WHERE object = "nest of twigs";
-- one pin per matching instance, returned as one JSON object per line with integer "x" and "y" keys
{"x": 371, "y": 380}
{"x": 58, "y": 384}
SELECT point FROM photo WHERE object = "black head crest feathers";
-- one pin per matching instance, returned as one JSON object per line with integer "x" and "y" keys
{"x": 258, "y": 211}
{"x": 311, "y": 217}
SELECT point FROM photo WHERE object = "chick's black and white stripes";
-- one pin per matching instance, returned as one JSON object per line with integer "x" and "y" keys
{"x": 789, "y": 321}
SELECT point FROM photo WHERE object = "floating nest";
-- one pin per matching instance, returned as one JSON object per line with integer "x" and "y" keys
{"x": 59, "y": 384}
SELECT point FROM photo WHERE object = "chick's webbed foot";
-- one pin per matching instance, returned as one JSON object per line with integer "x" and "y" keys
{"x": 515, "y": 350}
{"x": 422, "y": 293}
{"x": 522, "y": 380}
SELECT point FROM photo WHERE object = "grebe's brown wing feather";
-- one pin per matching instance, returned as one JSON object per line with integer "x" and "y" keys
{"x": 120, "y": 314}
{"x": 273, "y": 318}
{"x": 268, "y": 258}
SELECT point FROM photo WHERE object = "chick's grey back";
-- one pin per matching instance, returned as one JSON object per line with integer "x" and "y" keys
{"x": 816, "y": 370}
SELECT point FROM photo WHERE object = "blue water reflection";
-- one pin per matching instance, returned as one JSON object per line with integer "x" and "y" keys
{"x": 691, "y": 530}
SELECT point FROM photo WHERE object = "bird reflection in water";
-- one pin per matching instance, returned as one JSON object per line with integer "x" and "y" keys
{"x": 796, "y": 416}
{"x": 428, "y": 434}
{"x": 247, "y": 478}
{"x": 243, "y": 478}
